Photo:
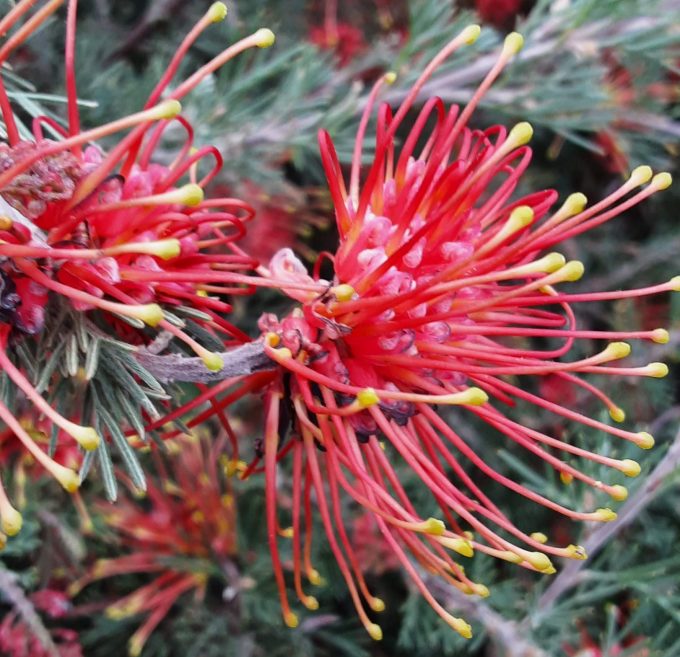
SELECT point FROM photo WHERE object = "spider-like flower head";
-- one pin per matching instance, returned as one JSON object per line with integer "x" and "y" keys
{"x": 440, "y": 277}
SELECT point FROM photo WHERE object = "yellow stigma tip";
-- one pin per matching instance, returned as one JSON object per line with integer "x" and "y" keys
{"x": 166, "y": 249}
{"x": 343, "y": 292}
{"x": 660, "y": 336}
{"x": 69, "y": 479}
{"x": 641, "y": 175}
{"x": 657, "y": 370}
{"x": 390, "y": 77}
{"x": 434, "y": 526}
{"x": 566, "y": 477}
{"x": 462, "y": 628}
{"x": 574, "y": 204}
{"x": 377, "y": 605}
{"x": 539, "y": 560}
{"x": 374, "y": 631}
{"x": 572, "y": 271}
{"x": 604, "y": 515}
{"x": 168, "y": 109}
{"x": 290, "y": 619}
{"x": 645, "y": 440}
{"x": 476, "y": 397}
{"x": 192, "y": 194}
{"x": 272, "y": 339}
{"x": 212, "y": 361}
{"x": 87, "y": 438}
{"x": 617, "y": 414}
{"x": 552, "y": 262}
{"x": 618, "y": 350}
{"x": 287, "y": 532}
{"x": 217, "y": 12}
{"x": 514, "y": 42}
{"x": 521, "y": 134}
{"x": 11, "y": 521}
{"x": 481, "y": 590}
{"x": 521, "y": 216}
{"x": 311, "y": 603}
{"x": 540, "y": 537}
{"x": 150, "y": 313}
{"x": 367, "y": 397}
{"x": 314, "y": 577}
{"x": 662, "y": 180}
{"x": 675, "y": 283}
{"x": 459, "y": 545}
{"x": 630, "y": 468}
{"x": 618, "y": 492}
{"x": 471, "y": 33}
{"x": 264, "y": 38}
{"x": 576, "y": 552}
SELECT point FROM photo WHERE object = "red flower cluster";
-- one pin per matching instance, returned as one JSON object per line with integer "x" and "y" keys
{"x": 187, "y": 512}
{"x": 441, "y": 276}
{"x": 111, "y": 234}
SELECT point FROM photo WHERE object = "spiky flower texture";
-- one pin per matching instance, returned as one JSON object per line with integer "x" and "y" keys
{"x": 108, "y": 240}
{"x": 439, "y": 279}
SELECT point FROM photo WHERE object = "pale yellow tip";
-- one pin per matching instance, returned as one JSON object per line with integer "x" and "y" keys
{"x": 572, "y": 271}
{"x": 538, "y": 560}
{"x": 290, "y": 619}
{"x": 11, "y": 521}
{"x": 471, "y": 33}
{"x": 287, "y": 532}
{"x": 434, "y": 526}
{"x": 167, "y": 249}
{"x": 641, "y": 175}
{"x": 212, "y": 361}
{"x": 617, "y": 414}
{"x": 521, "y": 217}
{"x": 87, "y": 437}
{"x": 390, "y": 77}
{"x": 476, "y": 397}
{"x": 374, "y": 631}
{"x": 657, "y": 370}
{"x": 662, "y": 180}
{"x": 377, "y": 605}
{"x": 566, "y": 477}
{"x": 675, "y": 283}
{"x": 368, "y": 397}
{"x": 617, "y": 350}
{"x": 618, "y": 492}
{"x": 217, "y": 12}
{"x": 192, "y": 194}
{"x": 539, "y": 537}
{"x": 168, "y": 109}
{"x": 68, "y": 478}
{"x": 264, "y": 38}
{"x": 552, "y": 262}
{"x": 630, "y": 468}
{"x": 150, "y": 313}
{"x": 660, "y": 336}
{"x": 459, "y": 545}
{"x": 481, "y": 590}
{"x": 514, "y": 42}
{"x": 314, "y": 577}
{"x": 311, "y": 603}
{"x": 604, "y": 515}
{"x": 462, "y": 628}
{"x": 576, "y": 552}
{"x": 343, "y": 292}
{"x": 574, "y": 204}
{"x": 645, "y": 440}
{"x": 520, "y": 134}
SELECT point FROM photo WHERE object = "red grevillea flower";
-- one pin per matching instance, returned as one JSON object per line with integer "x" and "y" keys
{"x": 188, "y": 512}
{"x": 440, "y": 276}
{"x": 110, "y": 233}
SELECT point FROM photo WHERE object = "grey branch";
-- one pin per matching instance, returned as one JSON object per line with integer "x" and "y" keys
{"x": 248, "y": 359}
{"x": 572, "y": 574}
{"x": 15, "y": 596}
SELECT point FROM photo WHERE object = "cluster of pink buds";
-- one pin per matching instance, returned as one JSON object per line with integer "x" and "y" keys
{"x": 440, "y": 279}
{"x": 112, "y": 236}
